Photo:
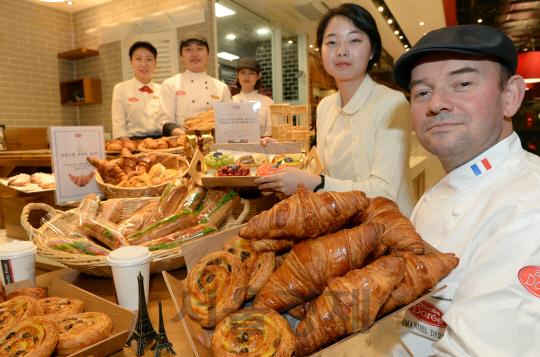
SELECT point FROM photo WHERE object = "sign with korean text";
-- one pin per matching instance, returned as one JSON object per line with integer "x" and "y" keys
{"x": 237, "y": 122}
{"x": 70, "y": 146}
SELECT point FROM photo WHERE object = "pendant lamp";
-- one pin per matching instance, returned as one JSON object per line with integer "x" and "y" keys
{"x": 529, "y": 66}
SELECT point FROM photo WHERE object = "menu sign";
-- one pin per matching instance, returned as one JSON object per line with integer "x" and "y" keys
{"x": 237, "y": 122}
{"x": 70, "y": 146}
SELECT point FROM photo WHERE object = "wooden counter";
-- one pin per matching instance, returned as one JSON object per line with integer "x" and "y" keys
{"x": 104, "y": 288}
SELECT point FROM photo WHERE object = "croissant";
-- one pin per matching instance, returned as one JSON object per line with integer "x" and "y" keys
{"x": 114, "y": 145}
{"x": 306, "y": 215}
{"x": 150, "y": 144}
{"x": 145, "y": 162}
{"x": 81, "y": 180}
{"x": 349, "y": 304}
{"x": 274, "y": 244}
{"x": 300, "y": 311}
{"x": 108, "y": 168}
{"x": 311, "y": 263}
{"x": 129, "y": 144}
{"x": 162, "y": 144}
{"x": 399, "y": 232}
{"x": 423, "y": 272}
{"x": 128, "y": 162}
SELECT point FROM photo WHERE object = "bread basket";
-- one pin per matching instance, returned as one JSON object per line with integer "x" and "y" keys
{"x": 172, "y": 150}
{"x": 168, "y": 260}
{"x": 170, "y": 161}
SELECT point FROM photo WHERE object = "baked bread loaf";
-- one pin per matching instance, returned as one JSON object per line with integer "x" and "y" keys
{"x": 58, "y": 306}
{"x": 15, "y": 310}
{"x": 81, "y": 330}
{"x": 35, "y": 336}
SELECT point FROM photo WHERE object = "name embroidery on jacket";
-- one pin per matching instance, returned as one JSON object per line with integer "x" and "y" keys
{"x": 529, "y": 277}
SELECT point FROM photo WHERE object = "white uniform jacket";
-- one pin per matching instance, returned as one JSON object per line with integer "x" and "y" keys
{"x": 188, "y": 94}
{"x": 264, "y": 112}
{"x": 380, "y": 126}
{"x": 134, "y": 113}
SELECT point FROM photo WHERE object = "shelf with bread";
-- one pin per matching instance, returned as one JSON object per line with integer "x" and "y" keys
{"x": 285, "y": 260}
{"x": 207, "y": 174}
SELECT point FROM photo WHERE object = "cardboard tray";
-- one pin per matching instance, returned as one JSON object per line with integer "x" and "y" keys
{"x": 241, "y": 181}
{"x": 199, "y": 337}
{"x": 121, "y": 318}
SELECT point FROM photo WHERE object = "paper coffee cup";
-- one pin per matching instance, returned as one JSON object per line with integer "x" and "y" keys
{"x": 126, "y": 263}
{"x": 18, "y": 261}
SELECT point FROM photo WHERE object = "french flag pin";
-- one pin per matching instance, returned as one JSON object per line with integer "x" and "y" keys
{"x": 481, "y": 167}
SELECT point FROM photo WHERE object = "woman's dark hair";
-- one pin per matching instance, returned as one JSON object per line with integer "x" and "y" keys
{"x": 142, "y": 44}
{"x": 258, "y": 85}
{"x": 360, "y": 19}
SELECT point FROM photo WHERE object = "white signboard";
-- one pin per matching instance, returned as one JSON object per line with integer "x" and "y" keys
{"x": 237, "y": 122}
{"x": 70, "y": 146}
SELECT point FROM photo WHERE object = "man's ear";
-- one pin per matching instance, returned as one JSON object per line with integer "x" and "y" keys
{"x": 514, "y": 93}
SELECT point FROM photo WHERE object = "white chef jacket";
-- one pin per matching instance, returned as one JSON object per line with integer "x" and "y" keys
{"x": 188, "y": 94}
{"x": 380, "y": 126}
{"x": 264, "y": 112}
{"x": 134, "y": 113}
{"x": 487, "y": 212}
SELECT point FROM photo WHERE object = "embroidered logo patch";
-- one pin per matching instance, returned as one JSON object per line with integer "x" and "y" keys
{"x": 180, "y": 92}
{"x": 133, "y": 99}
{"x": 529, "y": 277}
{"x": 215, "y": 97}
{"x": 428, "y": 313}
{"x": 236, "y": 107}
{"x": 481, "y": 167}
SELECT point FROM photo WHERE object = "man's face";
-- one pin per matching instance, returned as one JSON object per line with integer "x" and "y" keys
{"x": 195, "y": 54}
{"x": 457, "y": 106}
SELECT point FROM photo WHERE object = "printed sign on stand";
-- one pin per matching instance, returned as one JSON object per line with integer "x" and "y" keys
{"x": 237, "y": 122}
{"x": 70, "y": 146}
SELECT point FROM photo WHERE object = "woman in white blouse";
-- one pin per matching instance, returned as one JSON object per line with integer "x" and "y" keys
{"x": 364, "y": 130}
{"x": 249, "y": 80}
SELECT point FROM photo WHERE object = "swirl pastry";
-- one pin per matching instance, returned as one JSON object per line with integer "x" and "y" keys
{"x": 253, "y": 332}
{"x": 259, "y": 266}
{"x": 217, "y": 286}
{"x": 38, "y": 292}
{"x": 33, "y": 337}
{"x": 15, "y": 310}
{"x": 57, "y": 306}
{"x": 2, "y": 292}
{"x": 81, "y": 330}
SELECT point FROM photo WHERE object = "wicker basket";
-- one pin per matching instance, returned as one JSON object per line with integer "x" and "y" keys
{"x": 170, "y": 259}
{"x": 170, "y": 161}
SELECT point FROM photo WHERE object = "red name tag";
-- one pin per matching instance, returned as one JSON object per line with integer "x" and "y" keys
{"x": 180, "y": 92}
{"x": 133, "y": 99}
{"x": 529, "y": 277}
{"x": 428, "y": 313}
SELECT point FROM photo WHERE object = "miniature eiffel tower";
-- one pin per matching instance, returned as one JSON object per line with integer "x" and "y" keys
{"x": 162, "y": 341}
{"x": 144, "y": 331}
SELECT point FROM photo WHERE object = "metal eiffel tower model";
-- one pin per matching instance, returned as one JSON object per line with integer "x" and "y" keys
{"x": 162, "y": 341}
{"x": 144, "y": 331}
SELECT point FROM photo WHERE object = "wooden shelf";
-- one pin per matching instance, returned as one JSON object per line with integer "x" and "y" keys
{"x": 78, "y": 54}
{"x": 90, "y": 88}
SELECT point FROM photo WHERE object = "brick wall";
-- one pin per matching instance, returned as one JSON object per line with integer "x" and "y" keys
{"x": 264, "y": 56}
{"x": 290, "y": 69}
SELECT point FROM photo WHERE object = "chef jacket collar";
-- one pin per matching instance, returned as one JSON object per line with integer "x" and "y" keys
{"x": 486, "y": 163}
{"x": 251, "y": 94}
{"x": 194, "y": 76}
{"x": 139, "y": 84}
{"x": 358, "y": 99}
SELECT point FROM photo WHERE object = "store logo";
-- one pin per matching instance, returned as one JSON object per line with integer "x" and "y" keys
{"x": 529, "y": 277}
{"x": 236, "y": 107}
{"x": 133, "y": 99}
{"x": 428, "y": 313}
{"x": 78, "y": 135}
{"x": 180, "y": 92}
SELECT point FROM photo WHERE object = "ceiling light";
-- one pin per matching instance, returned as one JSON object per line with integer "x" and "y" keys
{"x": 290, "y": 41}
{"x": 406, "y": 46}
{"x": 231, "y": 37}
{"x": 52, "y": 0}
{"x": 70, "y": 2}
{"x": 425, "y": 33}
{"x": 316, "y": 49}
{"x": 381, "y": 9}
{"x": 396, "y": 32}
{"x": 406, "y": 50}
{"x": 479, "y": 20}
{"x": 401, "y": 37}
{"x": 422, "y": 23}
{"x": 390, "y": 21}
{"x": 525, "y": 49}
{"x": 223, "y": 11}
{"x": 262, "y": 31}
{"x": 310, "y": 46}
{"x": 529, "y": 66}
{"x": 227, "y": 56}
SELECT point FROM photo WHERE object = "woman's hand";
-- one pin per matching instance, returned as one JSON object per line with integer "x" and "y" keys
{"x": 286, "y": 180}
{"x": 267, "y": 140}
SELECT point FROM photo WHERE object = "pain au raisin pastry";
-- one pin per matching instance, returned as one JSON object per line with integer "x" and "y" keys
{"x": 38, "y": 292}
{"x": 259, "y": 266}
{"x": 253, "y": 332}
{"x": 15, "y": 310}
{"x": 81, "y": 330}
{"x": 58, "y": 306}
{"x": 34, "y": 337}
{"x": 217, "y": 286}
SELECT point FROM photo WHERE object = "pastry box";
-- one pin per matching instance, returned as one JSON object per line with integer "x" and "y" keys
{"x": 199, "y": 337}
{"x": 121, "y": 318}
{"x": 204, "y": 175}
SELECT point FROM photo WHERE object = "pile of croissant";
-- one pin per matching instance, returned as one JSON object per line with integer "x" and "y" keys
{"x": 336, "y": 261}
{"x": 162, "y": 143}
{"x": 133, "y": 171}
{"x": 33, "y": 324}
{"x": 118, "y": 145}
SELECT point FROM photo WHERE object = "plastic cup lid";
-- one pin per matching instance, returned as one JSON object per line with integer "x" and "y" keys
{"x": 129, "y": 256}
{"x": 17, "y": 249}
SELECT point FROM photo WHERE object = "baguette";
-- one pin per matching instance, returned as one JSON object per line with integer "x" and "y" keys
{"x": 193, "y": 199}
{"x": 77, "y": 246}
{"x": 216, "y": 212}
{"x": 88, "y": 207}
{"x": 176, "y": 239}
{"x": 106, "y": 232}
{"x": 177, "y": 222}
{"x": 168, "y": 203}
{"x": 111, "y": 210}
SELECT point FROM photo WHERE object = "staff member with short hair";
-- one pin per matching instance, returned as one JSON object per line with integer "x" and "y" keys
{"x": 249, "y": 80}
{"x": 135, "y": 102}
{"x": 192, "y": 92}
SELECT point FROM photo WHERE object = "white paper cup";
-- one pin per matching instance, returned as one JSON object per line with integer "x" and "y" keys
{"x": 18, "y": 261}
{"x": 126, "y": 263}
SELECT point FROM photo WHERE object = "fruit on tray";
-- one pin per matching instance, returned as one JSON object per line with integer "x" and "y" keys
{"x": 294, "y": 160}
{"x": 233, "y": 170}
{"x": 218, "y": 159}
